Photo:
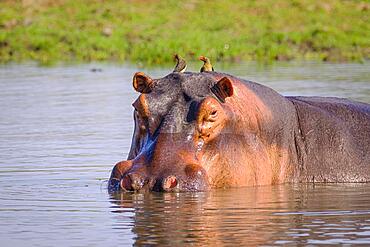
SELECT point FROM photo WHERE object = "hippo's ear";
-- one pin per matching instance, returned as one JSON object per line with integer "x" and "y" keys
{"x": 223, "y": 89}
{"x": 142, "y": 83}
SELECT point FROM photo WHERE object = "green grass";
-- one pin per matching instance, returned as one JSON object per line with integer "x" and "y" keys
{"x": 150, "y": 32}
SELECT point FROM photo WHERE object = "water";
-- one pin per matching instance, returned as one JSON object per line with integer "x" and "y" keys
{"x": 63, "y": 128}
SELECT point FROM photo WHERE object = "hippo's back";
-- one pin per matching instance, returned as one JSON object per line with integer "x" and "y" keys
{"x": 338, "y": 106}
{"x": 334, "y": 139}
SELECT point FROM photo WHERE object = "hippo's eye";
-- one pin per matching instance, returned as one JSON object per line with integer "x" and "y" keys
{"x": 139, "y": 120}
{"x": 212, "y": 117}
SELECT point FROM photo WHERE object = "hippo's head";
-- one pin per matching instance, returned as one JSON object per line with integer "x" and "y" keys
{"x": 175, "y": 118}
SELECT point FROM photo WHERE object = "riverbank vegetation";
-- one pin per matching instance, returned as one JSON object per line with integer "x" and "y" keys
{"x": 150, "y": 32}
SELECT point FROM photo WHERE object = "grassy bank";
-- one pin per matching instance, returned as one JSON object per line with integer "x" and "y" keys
{"x": 149, "y": 32}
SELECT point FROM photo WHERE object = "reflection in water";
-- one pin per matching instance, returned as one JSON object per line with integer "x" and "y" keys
{"x": 63, "y": 128}
{"x": 307, "y": 214}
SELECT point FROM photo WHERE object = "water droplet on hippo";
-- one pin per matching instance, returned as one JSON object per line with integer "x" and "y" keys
{"x": 189, "y": 137}
{"x": 200, "y": 144}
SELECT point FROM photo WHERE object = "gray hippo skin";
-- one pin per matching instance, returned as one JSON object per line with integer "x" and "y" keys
{"x": 333, "y": 139}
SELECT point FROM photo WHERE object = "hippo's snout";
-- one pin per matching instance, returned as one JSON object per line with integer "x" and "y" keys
{"x": 189, "y": 178}
{"x": 136, "y": 182}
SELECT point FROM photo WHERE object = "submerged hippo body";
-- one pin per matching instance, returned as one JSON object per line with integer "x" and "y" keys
{"x": 195, "y": 131}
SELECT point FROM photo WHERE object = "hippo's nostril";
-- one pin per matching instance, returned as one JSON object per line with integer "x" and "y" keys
{"x": 132, "y": 182}
{"x": 126, "y": 183}
{"x": 169, "y": 183}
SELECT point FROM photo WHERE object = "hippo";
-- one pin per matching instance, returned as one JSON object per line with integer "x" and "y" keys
{"x": 199, "y": 131}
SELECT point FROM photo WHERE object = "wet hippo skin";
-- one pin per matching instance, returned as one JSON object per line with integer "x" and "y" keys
{"x": 197, "y": 131}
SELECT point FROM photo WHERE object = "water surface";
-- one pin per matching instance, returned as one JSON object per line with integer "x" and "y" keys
{"x": 63, "y": 128}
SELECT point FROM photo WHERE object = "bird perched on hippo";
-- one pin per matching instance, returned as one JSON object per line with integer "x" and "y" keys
{"x": 197, "y": 131}
{"x": 180, "y": 64}
{"x": 207, "y": 66}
